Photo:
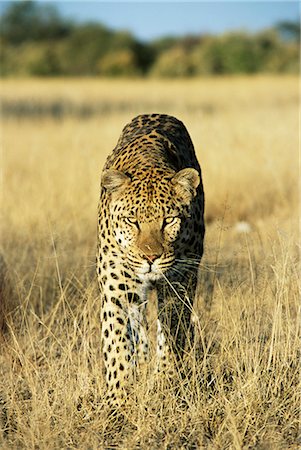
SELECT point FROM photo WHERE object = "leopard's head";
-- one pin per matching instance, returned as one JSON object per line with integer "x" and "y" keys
{"x": 150, "y": 218}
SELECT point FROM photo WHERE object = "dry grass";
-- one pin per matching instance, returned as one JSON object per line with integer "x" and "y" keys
{"x": 242, "y": 389}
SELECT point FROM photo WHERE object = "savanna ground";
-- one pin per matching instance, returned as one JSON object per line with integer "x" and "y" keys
{"x": 242, "y": 389}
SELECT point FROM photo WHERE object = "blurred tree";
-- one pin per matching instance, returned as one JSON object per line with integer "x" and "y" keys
{"x": 84, "y": 48}
{"x": 163, "y": 44}
{"x": 243, "y": 53}
{"x": 118, "y": 63}
{"x": 142, "y": 53}
{"x": 175, "y": 62}
{"x": 36, "y": 40}
{"x": 47, "y": 64}
{"x": 26, "y": 20}
{"x": 289, "y": 30}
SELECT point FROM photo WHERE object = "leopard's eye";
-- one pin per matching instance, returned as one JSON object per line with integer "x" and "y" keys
{"x": 131, "y": 221}
{"x": 170, "y": 220}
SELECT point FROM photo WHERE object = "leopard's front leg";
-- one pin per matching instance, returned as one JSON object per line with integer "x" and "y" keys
{"x": 124, "y": 341}
{"x": 175, "y": 309}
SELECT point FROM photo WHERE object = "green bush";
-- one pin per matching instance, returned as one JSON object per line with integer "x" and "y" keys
{"x": 118, "y": 63}
{"x": 25, "y": 21}
{"x": 175, "y": 62}
{"x": 35, "y": 40}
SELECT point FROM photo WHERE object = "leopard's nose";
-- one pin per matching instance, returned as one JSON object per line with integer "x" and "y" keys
{"x": 152, "y": 257}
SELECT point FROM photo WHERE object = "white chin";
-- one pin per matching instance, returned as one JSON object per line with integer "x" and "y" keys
{"x": 149, "y": 276}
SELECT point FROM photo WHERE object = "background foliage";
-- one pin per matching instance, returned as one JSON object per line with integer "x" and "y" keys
{"x": 37, "y": 41}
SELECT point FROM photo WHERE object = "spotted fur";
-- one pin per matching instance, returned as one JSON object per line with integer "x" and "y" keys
{"x": 150, "y": 238}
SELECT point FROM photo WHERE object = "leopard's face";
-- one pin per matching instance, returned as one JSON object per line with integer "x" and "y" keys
{"x": 148, "y": 241}
{"x": 150, "y": 222}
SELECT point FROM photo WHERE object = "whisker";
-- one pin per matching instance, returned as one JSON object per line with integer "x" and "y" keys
{"x": 175, "y": 270}
{"x": 182, "y": 267}
{"x": 207, "y": 267}
{"x": 198, "y": 255}
{"x": 187, "y": 261}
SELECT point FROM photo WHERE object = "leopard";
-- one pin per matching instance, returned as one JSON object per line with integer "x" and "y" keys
{"x": 150, "y": 244}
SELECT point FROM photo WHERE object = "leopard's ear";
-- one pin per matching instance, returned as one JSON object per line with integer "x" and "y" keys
{"x": 185, "y": 184}
{"x": 114, "y": 180}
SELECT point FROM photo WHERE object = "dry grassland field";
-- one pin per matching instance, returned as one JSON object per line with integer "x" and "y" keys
{"x": 241, "y": 386}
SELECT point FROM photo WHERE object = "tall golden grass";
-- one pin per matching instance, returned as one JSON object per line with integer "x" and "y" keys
{"x": 241, "y": 386}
